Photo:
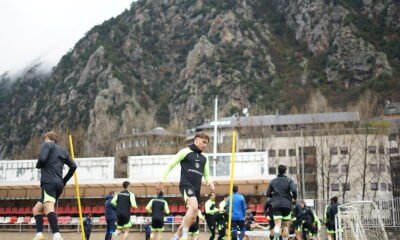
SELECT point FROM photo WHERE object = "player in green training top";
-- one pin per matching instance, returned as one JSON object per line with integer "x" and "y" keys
{"x": 194, "y": 165}
{"x": 157, "y": 207}
{"x": 123, "y": 201}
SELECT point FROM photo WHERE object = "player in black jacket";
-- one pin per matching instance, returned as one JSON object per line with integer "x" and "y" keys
{"x": 330, "y": 213}
{"x": 51, "y": 161}
{"x": 282, "y": 191}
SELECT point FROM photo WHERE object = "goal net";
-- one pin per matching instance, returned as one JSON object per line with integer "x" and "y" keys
{"x": 359, "y": 221}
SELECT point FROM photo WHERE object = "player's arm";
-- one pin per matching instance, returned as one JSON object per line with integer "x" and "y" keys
{"x": 114, "y": 200}
{"x": 269, "y": 191}
{"x": 133, "y": 200}
{"x": 210, "y": 208}
{"x": 71, "y": 165}
{"x": 166, "y": 208}
{"x": 148, "y": 206}
{"x": 178, "y": 157}
{"x": 200, "y": 215}
{"x": 207, "y": 175}
{"x": 244, "y": 205}
{"x": 293, "y": 189}
{"x": 43, "y": 154}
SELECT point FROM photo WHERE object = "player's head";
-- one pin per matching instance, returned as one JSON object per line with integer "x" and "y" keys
{"x": 212, "y": 196}
{"x": 235, "y": 188}
{"x": 112, "y": 193}
{"x": 160, "y": 194}
{"x": 303, "y": 204}
{"x": 126, "y": 184}
{"x": 201, "y": 140}
{"x": 334, "y": 199}
{"x": 51, "y": 136}
{"x": 281, "y": 169}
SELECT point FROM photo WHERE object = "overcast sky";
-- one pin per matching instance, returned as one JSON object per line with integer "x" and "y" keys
{"x": 46, "y": 29}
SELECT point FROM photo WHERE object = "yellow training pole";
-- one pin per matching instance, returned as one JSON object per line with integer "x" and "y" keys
{"x": 71, "y": 147}
{"x": 231, "y": 183}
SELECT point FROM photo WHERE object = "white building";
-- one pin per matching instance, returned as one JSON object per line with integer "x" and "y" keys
{"x": 341, "y": 158}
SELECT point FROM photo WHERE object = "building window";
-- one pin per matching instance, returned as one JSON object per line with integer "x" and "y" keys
{"x": 333, "y": 150}
{"x": 383, "y": 187}
{"x": 293, "y": 170}
{"x": 345, "y": 168}
{"x": 346, "y": 186}
{"x": 374, "y": 186}
{"x": 292, "y": 152}
{"x": 310, "y": 187}
{"x": 373, "y": 168}
{"x": 382, "y": 168}
{"x": 381, "y": 150}
{"x": 272, "y": 170}
{"x": 393, "y": 150}
{"x": 392, "y": 137}
{"x": 271, "y": 153}
{"x": 334, "y": 168}
{"x": 386, "y": 205}
{"x": 344, "y": 150}
{"x": 247, "y": 150}
{"x": 372, "y": 149}
{"x": 334, "y": 187}
{"x": 282, "y": 152}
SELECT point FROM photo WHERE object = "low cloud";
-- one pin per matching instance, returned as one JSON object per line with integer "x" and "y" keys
{"x": 44, "y": 30}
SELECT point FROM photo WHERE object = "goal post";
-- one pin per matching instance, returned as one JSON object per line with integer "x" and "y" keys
{"x": 359, "y": 220}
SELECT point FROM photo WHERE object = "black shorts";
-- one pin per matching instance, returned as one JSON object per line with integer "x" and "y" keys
{"x": 309, "y": 228}
{"x": 297, "y": 224}
{"x": 188, "y": 191}
{"x": 51, "y": 192}
{"x": 194, "y": 228}
{"x": 330, "y": 227}
{"x": 283, "y": 214}
{"x": 123, "y": 221}
{"x": 157, "y": 224}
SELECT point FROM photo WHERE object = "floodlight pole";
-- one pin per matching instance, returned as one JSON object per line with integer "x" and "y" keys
{"x": 215, "y": 137}
{"x": 302, "y": 166}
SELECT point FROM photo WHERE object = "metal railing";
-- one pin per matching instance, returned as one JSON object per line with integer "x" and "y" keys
{"x": 389, "y": 210}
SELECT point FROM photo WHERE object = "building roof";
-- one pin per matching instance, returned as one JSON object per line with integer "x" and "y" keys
{"x": 392, "y": 108}
{"x": 276, "y": 120}
{"x": 158, "y": 131}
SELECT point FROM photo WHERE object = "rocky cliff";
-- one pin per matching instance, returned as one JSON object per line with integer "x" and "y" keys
{"x": 169, "y": 59}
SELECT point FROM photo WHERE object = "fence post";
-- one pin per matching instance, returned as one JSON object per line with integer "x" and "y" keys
{"x": 393, "y": 213}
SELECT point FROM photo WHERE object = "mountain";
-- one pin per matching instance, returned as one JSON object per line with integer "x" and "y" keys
{"x": 166, "y": 60}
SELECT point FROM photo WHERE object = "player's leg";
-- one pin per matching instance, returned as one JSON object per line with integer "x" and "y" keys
{"x": 51, "y": 193}
{"x": 191, "y": 198}
{"x": 37, "y": 212}
{"x": 287, "y": 216}
{"x": 234, "y": 230}
{"x": 126, "y": 233}
{"x": 242, "y": 229}
{"x": 211, "y": 221}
